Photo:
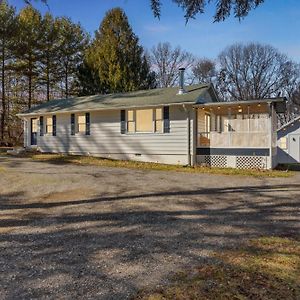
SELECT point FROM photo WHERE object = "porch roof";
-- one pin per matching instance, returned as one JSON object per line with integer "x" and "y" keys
{"x": 279, "y": 103}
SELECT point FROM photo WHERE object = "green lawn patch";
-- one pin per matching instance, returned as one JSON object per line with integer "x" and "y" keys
{"x": 266, "y": 268}
{"x": 95, "y": 161}
{"x": 3, "y": 150}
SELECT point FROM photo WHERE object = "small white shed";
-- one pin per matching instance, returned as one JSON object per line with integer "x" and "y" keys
{"x": 289, "y": 142}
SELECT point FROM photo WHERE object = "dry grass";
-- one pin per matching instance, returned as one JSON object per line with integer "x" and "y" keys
{"x": 267, "y": 268}
{"x": 88, "y": 160}
{"x": 3, "y": 150}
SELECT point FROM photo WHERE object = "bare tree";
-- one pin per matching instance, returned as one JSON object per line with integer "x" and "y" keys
{"x": 205, "y": 71}
{"x": 166, "y": 61}
{"x": 256, "y": 71}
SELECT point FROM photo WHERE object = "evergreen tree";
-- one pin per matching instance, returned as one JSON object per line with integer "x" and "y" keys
{"x": 7, "y": 35}
{"x": 117, "y": 57}
{"x": 73, "y": 42}
{"x": 49, "y": 60}
{"x": 88, "y": 81}
{"x": 29, "y": 47}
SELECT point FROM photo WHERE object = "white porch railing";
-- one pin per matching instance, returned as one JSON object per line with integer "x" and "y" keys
{"x": 233, "y": 139}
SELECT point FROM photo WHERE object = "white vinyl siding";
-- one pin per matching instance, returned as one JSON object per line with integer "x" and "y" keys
{"x": 106, "y": 139}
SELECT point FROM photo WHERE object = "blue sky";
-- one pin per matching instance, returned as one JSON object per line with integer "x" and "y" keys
{"x": 276, "y": 22}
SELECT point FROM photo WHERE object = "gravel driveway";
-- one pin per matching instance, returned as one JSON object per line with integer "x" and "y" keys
{"x": 70, "y": 232}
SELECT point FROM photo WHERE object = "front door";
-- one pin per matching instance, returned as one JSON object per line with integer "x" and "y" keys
{"x": 294, "y": 146}
{"x": 33, "y": 130}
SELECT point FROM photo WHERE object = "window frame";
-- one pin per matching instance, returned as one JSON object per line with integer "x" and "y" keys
{"x": 47, "y": 132}
{"x": 76, "y": 124}
{"x": 285, "y": 143}
{"x": 154, "y": 120}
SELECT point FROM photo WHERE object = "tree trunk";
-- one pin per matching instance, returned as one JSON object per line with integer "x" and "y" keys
{"x": 3, "y": 116}
{"x": 29, "y": 90}
{"x": 48, "y": 80}
{"x": 66, "y": 82}
{"x": 29, "y": 83}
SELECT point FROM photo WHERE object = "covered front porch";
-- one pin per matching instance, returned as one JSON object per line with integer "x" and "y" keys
{"x": 237, "y": 134}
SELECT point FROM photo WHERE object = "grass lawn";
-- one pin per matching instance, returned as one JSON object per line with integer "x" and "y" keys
{"x": 266, "y": 268}
{"x": 3, "y": 150}
{"x": 88, "y": 160}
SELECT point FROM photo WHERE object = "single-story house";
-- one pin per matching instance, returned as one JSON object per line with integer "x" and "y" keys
{"x": 187, "y": 126}
{"x": 289, "y": 142}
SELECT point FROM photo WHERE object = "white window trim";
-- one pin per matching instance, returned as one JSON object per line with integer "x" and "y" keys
{"x": 153, "y": 122}
{"x": 46, "y": 133}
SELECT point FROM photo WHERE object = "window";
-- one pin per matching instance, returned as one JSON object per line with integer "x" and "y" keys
{"x": 158, "y": 120}
{"x": 34, "y": 125}
{"x": 147, "y": 120}
{"x": 49, "y": 125}
{"x": 144, "y": 120}
{"x": 130, "y": 121}
{"x": 283, "y": 143}
{"x": 81, "y": 124}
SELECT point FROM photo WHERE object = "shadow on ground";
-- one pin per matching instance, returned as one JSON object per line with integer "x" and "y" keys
{"x": 108, "y": 247}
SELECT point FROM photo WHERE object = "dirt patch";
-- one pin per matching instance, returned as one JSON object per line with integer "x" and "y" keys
{"x": 97, "y": 232}
{"x": 66, "y": 195}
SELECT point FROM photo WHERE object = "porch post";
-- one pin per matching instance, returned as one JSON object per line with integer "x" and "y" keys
{"x": 271, "y": 133}
{"x": 248, "y": 108}
{"x": 229, "y": 126}
{"x": 195, "y": 135}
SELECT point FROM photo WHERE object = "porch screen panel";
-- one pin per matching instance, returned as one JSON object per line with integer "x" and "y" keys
{"x": 144, "y": 120}
{"x": 207, "y": 123}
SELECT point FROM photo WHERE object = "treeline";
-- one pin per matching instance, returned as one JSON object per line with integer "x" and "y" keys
{"x": 39, "y": 61}
{"x": 45, "y": 58}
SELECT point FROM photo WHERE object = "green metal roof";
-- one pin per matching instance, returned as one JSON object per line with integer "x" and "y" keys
{"x": 165, "y": 96}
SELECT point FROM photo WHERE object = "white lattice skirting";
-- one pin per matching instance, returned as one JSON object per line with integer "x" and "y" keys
{"x": 239, "y": 162}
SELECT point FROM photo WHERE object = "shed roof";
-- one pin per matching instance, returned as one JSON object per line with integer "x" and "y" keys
{"x": 164, "y": 96}
{"x": 289, "y": 123}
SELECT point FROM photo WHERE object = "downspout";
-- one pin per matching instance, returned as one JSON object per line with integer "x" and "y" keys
{"x": 188, "y": 119}
{"x": 271, "y": 133}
